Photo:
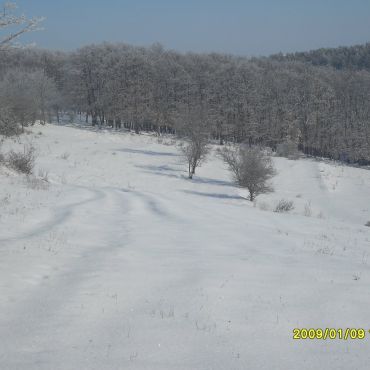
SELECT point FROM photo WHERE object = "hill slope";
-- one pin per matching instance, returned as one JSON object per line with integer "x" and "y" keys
{"x": 123, "y": 263}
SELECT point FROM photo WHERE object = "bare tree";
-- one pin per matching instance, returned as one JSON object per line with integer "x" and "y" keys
{"x": 194, "y": 150}
{"x": 251, "y": 168}
{"x": 45, "y": 93}
{"x": 193, "y": 129}
{"x": 15, "y": 25}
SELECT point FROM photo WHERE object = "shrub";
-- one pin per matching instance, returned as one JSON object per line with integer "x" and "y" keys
{"x": 43, "y": 175}
{"x": 65, "y": 155}
{"x": 23, "y": 162}
{"x": 367, "y": 224}
{"x": 284, "y": 206}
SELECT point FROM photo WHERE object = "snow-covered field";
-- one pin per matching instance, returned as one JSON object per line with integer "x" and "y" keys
{"x": 120, "y": 262}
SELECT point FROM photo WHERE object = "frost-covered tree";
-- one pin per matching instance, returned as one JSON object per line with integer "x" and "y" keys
{"x": 8, "y": 123}
{"x": 12, "y": 25}
{"x": 18, "y": 98}
{"x": 45, "y": 93}
{"x": 196, "y": 138}
{"x": 261, "y": 101}
{"x": 194, "y": 150}
{"x": 251, "y": 167}
{"x": 16, "y": 90}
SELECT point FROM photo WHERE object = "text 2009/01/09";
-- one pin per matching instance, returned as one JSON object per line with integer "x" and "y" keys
{"x": 329, "y": 333}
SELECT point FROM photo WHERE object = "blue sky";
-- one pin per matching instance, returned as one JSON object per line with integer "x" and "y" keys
{"x": 249, "y": 27}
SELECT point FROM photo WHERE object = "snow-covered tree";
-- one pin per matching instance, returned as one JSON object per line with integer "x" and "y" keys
{"x": 18, "y": 97}
{"x": 12, "y": 25}
{"x": 251, "y": 168}
{"x": 196, "y": 138}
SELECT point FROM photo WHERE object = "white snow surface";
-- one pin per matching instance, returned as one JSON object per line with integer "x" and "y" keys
{"x": 121, "y": 262}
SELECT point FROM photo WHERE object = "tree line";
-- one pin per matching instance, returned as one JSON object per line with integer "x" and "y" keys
{"x": 355, "y": 57}
{"x": 323, "y": 110}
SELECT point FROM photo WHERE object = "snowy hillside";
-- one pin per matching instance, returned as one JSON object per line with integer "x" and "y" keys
{"x": 119, "y": 261}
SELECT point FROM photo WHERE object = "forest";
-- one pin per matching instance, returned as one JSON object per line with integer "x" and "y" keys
{"x": 318, "y": 101}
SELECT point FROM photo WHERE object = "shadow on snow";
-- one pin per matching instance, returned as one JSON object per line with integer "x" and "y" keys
{"x": 213, "y": 195}
{"x": 146, "y": 152}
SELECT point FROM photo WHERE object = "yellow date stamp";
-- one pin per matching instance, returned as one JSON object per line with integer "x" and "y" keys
{"x": 329, "y": 333}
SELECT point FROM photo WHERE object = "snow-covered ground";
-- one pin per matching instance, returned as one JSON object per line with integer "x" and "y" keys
{"x": 121, "y": 262}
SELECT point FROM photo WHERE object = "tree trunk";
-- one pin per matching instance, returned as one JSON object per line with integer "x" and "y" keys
{"x": 94, "y": 118}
